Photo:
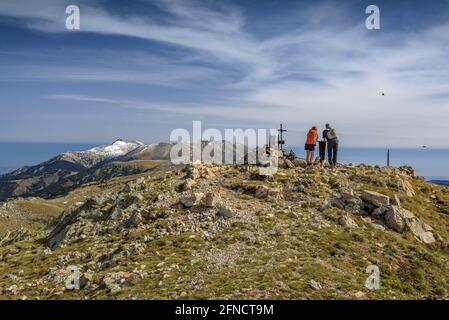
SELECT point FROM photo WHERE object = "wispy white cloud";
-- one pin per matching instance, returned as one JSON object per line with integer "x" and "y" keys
{"x": 171, "y": 77}
{"x": 81, "y": 98}
{"x": 217, "y": 34}
{"x": 102, "y": 66}
{"x": 324, "y": 69}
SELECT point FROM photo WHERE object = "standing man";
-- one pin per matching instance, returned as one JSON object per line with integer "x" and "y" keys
{"x": 322, "y": 144}
{"x": 330, "y": 135}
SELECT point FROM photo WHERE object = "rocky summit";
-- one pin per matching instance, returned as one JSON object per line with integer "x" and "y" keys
{"x": 211, "y": 231}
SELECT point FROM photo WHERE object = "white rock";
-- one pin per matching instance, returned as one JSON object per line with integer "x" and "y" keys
{"x": 375, "y": 198}
{"x": 399, "y": 218}
{"x": 420, "y": 230}
{"x": 315, "y": 285}
{"x": 192, "y": 200}
{"x": 225, "y": 212}
{"x": 209, "y": 200}
{"x": 346, "y": 221}
{"x": 394, "y": 218}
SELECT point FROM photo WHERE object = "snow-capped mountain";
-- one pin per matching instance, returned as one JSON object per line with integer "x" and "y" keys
{"x": 63, "y": 171}
{"x": 117, "y": 149}
{"x": 92, "y": 157}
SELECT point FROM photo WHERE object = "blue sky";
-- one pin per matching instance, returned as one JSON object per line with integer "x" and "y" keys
{"x": 139, "y": 69}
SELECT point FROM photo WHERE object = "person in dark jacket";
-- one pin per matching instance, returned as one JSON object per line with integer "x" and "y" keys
{"x": 323, "y": 143}
{"x": 330, "y": 135}
{"x": 325, "y": 131}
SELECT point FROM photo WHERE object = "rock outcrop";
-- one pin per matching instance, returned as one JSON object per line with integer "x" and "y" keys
{"x": 376, "y": 199}
{"x": 400, "y": 219}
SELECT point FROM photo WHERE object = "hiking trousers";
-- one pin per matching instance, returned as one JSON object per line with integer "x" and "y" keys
{"x": 332, "y": 151}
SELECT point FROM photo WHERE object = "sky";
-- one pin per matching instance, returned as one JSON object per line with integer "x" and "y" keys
{"x": 139, "y": 69}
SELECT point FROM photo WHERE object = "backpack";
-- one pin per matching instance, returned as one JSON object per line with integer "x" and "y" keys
{"x": 331, "y": 134}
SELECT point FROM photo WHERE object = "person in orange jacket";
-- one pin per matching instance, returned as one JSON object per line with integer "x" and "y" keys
{"x": 312, "y": 137}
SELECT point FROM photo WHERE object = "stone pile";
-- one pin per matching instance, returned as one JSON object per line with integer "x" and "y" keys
{"x": 386, "y": 209}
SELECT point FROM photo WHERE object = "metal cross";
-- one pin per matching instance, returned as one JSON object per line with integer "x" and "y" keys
{"x": 281, "y": 141}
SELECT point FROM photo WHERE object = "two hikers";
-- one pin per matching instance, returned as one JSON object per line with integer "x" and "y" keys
{"x": 330, "y": 138}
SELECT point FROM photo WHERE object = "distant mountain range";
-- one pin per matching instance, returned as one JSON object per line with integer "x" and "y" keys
{"x": 69, "y": 170}
{"x": 440, "y": 182}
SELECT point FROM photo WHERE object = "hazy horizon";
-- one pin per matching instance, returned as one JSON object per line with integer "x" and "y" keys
{"x": 167, "y": 140}
{"x": 431, "y": 163}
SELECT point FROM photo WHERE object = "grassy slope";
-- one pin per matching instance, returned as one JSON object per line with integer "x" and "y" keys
{"x": 264, "y": 252}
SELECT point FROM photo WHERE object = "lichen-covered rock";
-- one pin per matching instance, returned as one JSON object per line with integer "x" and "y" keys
{"x": 225, "y": 212}
{"x": 65, "y": 221}
{"x": 406, "y": 187}
{"x": 191, "y": 200}
{"x": 134, "y": 220}
{"x": 187, "y": 184}
{"x": 14, "y": 236}
{"x": 421, "y": 230}
{"x": 375, "y": 198}
{"x": 346, "y": 221}
{"x": 399, "y": 219}
{"x": 116, "y": 280}
{"x": 289, "y": 164}
{"x": 394, "y": 219}
{"x": 209, "y": 200}
{"x": 300, "y": 162}
{"x": 408, "y": 171}
{"x": 349, "y": 201}
{"x": 315, "y": 285}
{"x": 266, "y": 192}
{"x": 261, "y": 192}
{"x": 379, "y": 211}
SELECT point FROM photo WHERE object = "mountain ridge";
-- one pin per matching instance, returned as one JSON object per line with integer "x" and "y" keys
{"x": 223, "y": 231}
{"x": 68, "y": 170}
{"x": 62, "y": 172}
